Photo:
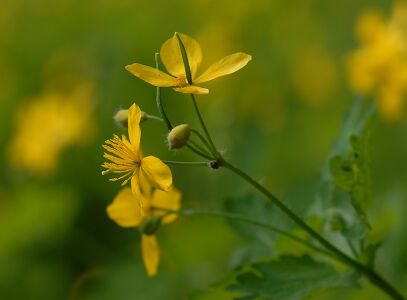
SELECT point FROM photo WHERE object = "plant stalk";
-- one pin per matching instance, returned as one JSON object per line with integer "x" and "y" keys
{"x": 374, "y": 278}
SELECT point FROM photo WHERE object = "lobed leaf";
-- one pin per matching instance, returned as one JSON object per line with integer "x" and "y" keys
{"x": 351, "y": 174}
{"x": 290, "y": 278}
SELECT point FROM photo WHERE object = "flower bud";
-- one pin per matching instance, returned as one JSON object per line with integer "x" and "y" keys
{"x": 178, "y": 136}
{"x": 151, "y": 225}
{"x": 121, "y": 117}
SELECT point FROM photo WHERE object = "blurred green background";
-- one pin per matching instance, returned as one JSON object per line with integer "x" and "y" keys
{"x": 62, "y": 78}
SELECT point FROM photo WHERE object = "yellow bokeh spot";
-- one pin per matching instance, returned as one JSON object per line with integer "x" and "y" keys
{"x": 378, "y": 67}
{"x": 46, "y": 126}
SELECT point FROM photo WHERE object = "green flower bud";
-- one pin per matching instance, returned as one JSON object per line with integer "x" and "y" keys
{"x": 151, "y": 225}
{"x": 121, "y": 117}
{"x": 178, "y": 136}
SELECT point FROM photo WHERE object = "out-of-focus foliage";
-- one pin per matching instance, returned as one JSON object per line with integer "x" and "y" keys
{"x": 62, "y": 79}
{"x": 289, "y": 278}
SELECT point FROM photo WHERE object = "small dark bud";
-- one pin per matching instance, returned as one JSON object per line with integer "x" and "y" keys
{"x": 214, "y": 164}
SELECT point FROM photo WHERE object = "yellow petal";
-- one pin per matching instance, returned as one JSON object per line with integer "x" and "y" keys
{"x": 225, "y": 66}
{"x": 135, "y": 189}
{"x": 151, "y": 75}
{"x": 134, "y": 127}
{"x": 145, "y": 186}
{"x": 150, "y": 253}
{"x": 390, "y": 104}
{"x": 157, "y": 173}
{"x": 171, "y": 55}
{"x": 170, "y": 200}
{"x": 125, "y": 210}
{"x": 192, "y": 89}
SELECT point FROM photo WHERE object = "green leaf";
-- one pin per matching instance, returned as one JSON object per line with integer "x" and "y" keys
{"x": 342, "y": 173}
{"x": 290, "y": 278}
{"x": 369, "y": 254}
{"x": 342, "y": 181}
{"x": 351, "y": 174}
{"x": 261, "y": 239}
{"x": 250, "y": 206}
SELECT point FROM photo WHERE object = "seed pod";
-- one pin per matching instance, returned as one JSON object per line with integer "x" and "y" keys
{"x": 178, "y": 136}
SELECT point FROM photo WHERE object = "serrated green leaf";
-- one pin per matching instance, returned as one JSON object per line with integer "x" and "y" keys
{"x": 342, "y": 173}
{"x": 290, "y": 278}
{"x": 351, "y": 174}
{"x": 341, "y": 170}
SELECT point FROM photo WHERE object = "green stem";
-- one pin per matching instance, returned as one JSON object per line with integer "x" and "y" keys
{"x": 244, "y": 219}
{"x": 160, "y": 106}
{"x": 187, "y": 67}
{"x": 198, "y": 152}
{"x": 205, "y": 129}
{"x": 186, "y": 163}
{"x": 201, "y": 137}
{"x": 199, "y": 147}
{"x": 152, "y": 117}
{"x": 352, "y": 247}
{"x": 375, "y": 278}
{"x": 188, "y": 74}
{"x": 258, "y": 223}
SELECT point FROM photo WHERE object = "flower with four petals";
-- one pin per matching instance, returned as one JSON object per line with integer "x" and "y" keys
{"x": 171, "y": 56}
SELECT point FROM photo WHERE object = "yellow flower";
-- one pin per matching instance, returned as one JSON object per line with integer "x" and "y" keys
{"x": 125, "y": 211}
{"x": 126, "y": 159}
{"x": 171, "y": 57}
{"x": 379, "y": 67}
{"x": 48, "y": 125}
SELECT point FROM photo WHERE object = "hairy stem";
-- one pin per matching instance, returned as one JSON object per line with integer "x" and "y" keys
{"x": 188, "y": 74}
{"x": 187, "y": 163}
{"x": 247, "y": 220}
{"x": 205, "y": 129}
{"x": 198, "y": 152}
{"x": 160, "y": 106}
{"x": 375, "y": 278}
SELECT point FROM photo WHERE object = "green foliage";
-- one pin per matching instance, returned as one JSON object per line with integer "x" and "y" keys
{"x": 345, "y": 181}
{"x": 251, "y": 206}
{"x": 290, "y": 278}
{"x": 368, "y": 255}
{"x": 261, "y": 240}
{"x": 351, "y": 174}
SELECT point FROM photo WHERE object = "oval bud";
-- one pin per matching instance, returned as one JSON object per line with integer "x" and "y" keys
{"x": 121, "y": 118}
{"x": 178, "y": 136}
{"x": 151, "y": 225}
